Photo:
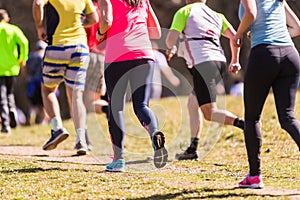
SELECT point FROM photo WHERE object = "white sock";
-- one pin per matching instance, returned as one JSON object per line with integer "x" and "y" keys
{"x": 80, "y": 135}
{"x": 56, "y": 123}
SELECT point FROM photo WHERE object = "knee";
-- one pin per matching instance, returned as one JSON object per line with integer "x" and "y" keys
{"x": 138, "y": 108}
{"x": 286, "y": 121}
{"x": 207, "y": 116}
{"x": 207, "y": 113}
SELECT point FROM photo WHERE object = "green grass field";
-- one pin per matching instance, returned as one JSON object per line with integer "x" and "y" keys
{"x": 27, "y": 172}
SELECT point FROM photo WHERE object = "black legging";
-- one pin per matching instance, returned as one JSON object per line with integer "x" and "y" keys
{"x": 138, "y": 73}
{"x": 275, "y": 67}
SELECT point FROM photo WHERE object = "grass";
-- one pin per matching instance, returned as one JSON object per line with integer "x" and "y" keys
{"x": 223, "y": 160}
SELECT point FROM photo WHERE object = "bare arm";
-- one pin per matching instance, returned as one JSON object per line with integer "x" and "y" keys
{"x": 235, "y": 51}
{"x": 292, "y": 21}
{"x": 90, "y": 19}
{"x": 234, "y": 65}
{"x": 167, "y": 71}
{"x": 171, "y": 40}
{"x": 153, "y": 25}
{"x": 248, "y": 17}
{"x": 106, "y": 15}
{"x": 38, "y": 16}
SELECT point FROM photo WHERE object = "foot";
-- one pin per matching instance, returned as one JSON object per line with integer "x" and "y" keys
{"x": 116, "y": 166}
{"x": 56, "y": 138}
{"x": 6, "y": 130}
{"x": 187, "y": 155}
{"x": 160, "y": 152}
{"x": 254, "y": 182}
{"x": 81, "y": 143}
{"x": 81, "y": 148}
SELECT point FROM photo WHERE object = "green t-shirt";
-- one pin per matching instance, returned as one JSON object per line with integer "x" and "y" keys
{"x": 197, "y": 21}
{"x": 13, "y": 48}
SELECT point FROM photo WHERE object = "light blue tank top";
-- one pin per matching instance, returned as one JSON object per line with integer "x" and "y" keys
{"x": 269, "y": 27}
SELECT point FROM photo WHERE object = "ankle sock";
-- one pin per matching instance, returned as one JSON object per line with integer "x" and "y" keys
{"x": 239, "y": 123}
{"x": 56, "y": 123}
{"x": 80, "y": 135}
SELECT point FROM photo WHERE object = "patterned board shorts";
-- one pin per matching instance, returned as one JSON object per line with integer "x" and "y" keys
{"x": 66, "y": 63}
{"x": 95, "y": 74}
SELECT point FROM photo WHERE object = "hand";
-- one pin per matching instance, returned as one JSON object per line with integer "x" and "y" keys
{"x": 22, "y": 63}
{"x": 101, "y": 36}
{"x": 234, "y": 68}
{"x": 171, "y": 52}
{"x": 42, "y": 34}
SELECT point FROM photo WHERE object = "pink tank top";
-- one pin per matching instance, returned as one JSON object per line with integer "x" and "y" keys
{"x": 128, "y": 38}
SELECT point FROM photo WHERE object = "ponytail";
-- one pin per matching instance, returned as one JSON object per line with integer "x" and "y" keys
{"x": 134, "y": 3}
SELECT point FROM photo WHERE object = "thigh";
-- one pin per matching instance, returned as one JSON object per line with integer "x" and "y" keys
{"x": 10, "y": 80}
{"x": 116, "y": 76}
{"x": 76, "y": 69}
{"x": 205, "y": 77}
{"x": 55, "y": 62}
{"x": 261, "y": 71}
{"x": 140, "y": 81}
{"x": 286, "y": 84}
{"x": 95, "y": 73}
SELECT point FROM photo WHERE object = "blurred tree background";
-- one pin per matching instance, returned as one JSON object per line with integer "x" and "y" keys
{"x": 20, "y": 13}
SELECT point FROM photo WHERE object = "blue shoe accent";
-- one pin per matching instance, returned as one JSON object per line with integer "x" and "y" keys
{"x": 116, "y": 166}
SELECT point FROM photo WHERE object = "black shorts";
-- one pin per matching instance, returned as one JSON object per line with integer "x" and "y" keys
{"x": 206, "y": 76}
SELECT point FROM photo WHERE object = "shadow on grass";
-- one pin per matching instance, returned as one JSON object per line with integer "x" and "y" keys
{"x": 70, "y": 162}
{"x": 138, "y": 162}
{"x": 209, "y": 193}
{"x": 32, "y": 170}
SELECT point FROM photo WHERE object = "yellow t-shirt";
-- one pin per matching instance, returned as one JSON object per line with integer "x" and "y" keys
{"x": 64, "y": 20}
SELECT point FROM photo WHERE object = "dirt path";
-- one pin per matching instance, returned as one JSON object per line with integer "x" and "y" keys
{"x": 68, "y": 156}
{"x": 55, "y": 155}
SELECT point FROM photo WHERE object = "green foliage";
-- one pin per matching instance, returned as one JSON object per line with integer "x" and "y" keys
{"x": 59, "y": 175}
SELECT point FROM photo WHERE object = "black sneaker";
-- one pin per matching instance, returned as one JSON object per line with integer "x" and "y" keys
{"x": 81, "y": 148}
{"x": 187, "y": 155}
{"x": 160, "y": 152}
{"x": 13, "y": 119}
{"x": 81, "y": 144}
{"x": 56, "y": 138}
{"x": 5, "y": 130}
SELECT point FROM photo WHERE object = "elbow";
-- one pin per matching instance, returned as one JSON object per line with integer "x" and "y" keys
{"x": 106, "y": 23}
{"x": 251, "y": 15}
{"x": 109, "y": 23}
{"x": 37, "y": 4}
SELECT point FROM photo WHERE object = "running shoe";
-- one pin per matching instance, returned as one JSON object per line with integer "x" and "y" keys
{"x": 254, "y": 182}
{"x": 81, "y": 143}
{"x": 160, "y": 152}
{"x": 56, "y": 138}
{"x": 6, "y": 130}
{"x": 187, "y": 155}
{"x": 81, "y": 148}
{"x": 116, "y": 166}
